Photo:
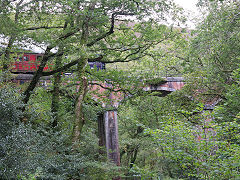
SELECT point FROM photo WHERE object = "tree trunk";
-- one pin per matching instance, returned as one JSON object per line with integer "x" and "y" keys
{"x": 133, "y": 157}
{"x": 12, "y": 38}
{"x": 7, "y": 52}
{"x": 82, "y": 90}
{"x": 56, "y": 92}
{"x": 36, "y": 77}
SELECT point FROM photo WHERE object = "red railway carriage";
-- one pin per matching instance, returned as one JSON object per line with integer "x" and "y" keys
{"x": 28, "y": 62}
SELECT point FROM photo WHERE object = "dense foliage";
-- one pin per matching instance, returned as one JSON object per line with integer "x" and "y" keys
{"x": 51, "y": 131}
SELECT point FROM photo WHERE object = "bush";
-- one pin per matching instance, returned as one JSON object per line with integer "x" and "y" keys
{"x": 10, "y": 108}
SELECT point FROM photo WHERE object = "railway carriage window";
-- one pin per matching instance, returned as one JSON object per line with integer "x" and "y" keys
{"x": 91, "y": 64}
{"x": 98, "y": 65}
{"x": 25, "y": 58}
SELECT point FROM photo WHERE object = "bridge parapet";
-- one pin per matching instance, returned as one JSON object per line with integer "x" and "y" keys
{"x": 168, "y": 85}
{"x": 172, "y": 84}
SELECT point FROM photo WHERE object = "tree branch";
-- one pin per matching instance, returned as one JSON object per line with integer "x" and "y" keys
{"x": 124, "y": 59}
{"x": 65, "y": 67}
{"x": 61, "y": 68}
{"x": 121, "y": 60}
{"x": 111, "y": 30}
{"x": 68, "y": 34}
{"x": 111, "y": 89}
{"x": 42, "y": 27}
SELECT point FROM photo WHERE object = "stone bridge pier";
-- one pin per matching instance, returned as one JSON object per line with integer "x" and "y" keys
{"x": 108, "y": 124}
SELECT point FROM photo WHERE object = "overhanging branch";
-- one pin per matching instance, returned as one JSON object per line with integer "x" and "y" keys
{"x": 125, "y": 59}
{"x": 65, "y": 67}
{"x": 111, "y": 30}
{"x": 111, "y": 89}
{"x": 42, "y": 27}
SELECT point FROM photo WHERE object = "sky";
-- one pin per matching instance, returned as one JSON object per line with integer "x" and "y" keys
{"x": 190, "y": 6}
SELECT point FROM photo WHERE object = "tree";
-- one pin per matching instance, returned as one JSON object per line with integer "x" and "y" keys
{"x": 84, "y": 31}
{"x": 72, "y": 33}
{"x": 214, "y": 51}
{"x": 185, "y": 144}
{"x": 214, "y": 58}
